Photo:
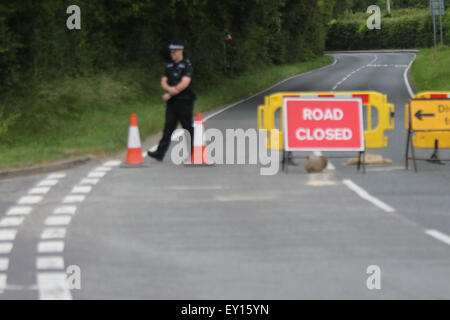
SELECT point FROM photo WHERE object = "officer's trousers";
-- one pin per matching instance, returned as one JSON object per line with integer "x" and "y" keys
{"x": 176, "y": 110}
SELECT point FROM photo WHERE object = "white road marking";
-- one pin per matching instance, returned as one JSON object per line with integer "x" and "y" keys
{"x": 73, "y": 199}
{"x": 39, "y": 190}
{"x": 4, "y": 263}
{"x": 81, "y": 189}
{"x": 15, "y": 211}
{"x": 96, "y": 174}
{"x": 5, "y": 248}
{"x": 8, "y": 235}
{"x": 56, "y": 176}
{"x": 2, "y": 282}
{"x": 48, "y": 183}
{"x": 112, "y": 163}
{"x": 366, "y": 196}
{"x": 89, "y": 181}
{"x": 65, "y": 210}
{"x": 11, "y": 221}
{"x": 45, "y": 263}
{"x": 405, "y": 77}
{"x": 384, "y": 169}
{"x": 53, "y": 233}
{"x": 387, "y": 66}
{"x": 439, "y": 236}
{"x": 50, "y": 246}
{"x": 30, "y": 200}
{"x": 52, "y": 286}
{"x": 352, "y": 73}
{"x": 320, "y": 180}
{"x": 58, "y": 221}
{"x": 103, "y": 169}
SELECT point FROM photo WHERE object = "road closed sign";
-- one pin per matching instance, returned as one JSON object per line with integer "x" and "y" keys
{"x": 323, "y": 124}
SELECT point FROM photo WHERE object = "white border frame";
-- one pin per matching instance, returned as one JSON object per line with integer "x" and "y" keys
{"x": 361, "y": 123}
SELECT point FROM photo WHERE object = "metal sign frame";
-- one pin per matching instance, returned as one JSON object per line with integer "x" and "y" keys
{"x": 410, "y": 145}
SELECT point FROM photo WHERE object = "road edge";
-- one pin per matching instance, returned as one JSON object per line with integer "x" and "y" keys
{"x": 45, "y": 168}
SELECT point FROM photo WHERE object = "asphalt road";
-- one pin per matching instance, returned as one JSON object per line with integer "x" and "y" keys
{"x": 227, "y": 232}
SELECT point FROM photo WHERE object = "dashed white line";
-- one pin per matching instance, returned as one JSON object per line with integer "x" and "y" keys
{"x": 74, "y": 199}
{"x": 102, "y": 169}
{"x": 81, "y": 189}
{"x": 58, "y": 221}
{"x": 15, "y": 211}
{"x": 112, "y": 163}
{"x": 52, "y": 286}
{"x": 65, "y": 210}
{"x": 353, "y": 72}
{"x": 48, "y": 183}
{"x": 2, "y": 282}
{"x": 50, "y": 246}
{"x": 96, "y": 174}
{"x": 89, "y": 181}
{"x": 4, "y": 263}
{"x": 8, "y": 235}
{"x": 15, "y": 216}
{"x": 30, "y": 200}
{"x": 40, "y": 190}
{"x": 45, "y": 263}
{"x": 439, "y": 236}
{"x": 366, "y": 196}
{"x": 53, "y": 233}
{"x": 11, "y": 221}
{"x": 56, "y": 176}
{"x": 5, "y": 248}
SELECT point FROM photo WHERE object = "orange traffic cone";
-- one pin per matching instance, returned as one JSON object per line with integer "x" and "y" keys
{"x": 134, "y": 155}
{"x": 198, "y": 155}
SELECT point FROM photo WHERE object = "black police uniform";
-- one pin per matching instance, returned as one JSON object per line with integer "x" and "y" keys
{"x": 179, "y": 107}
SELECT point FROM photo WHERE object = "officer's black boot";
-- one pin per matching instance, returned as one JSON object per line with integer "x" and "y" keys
{"x": 156, "y": 155}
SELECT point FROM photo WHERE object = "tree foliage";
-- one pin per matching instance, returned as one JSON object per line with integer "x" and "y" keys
{"x": 35, "y": 43}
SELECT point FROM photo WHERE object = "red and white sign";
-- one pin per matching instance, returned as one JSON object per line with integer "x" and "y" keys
{"x": 323, "y": 124}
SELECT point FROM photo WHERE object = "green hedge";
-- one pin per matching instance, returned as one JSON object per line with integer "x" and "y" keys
{"x": 405, "y": 32}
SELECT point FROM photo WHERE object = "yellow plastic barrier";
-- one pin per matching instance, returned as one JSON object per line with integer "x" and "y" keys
{"x": 426, "y": 140}
{"x": 374, "y": 137}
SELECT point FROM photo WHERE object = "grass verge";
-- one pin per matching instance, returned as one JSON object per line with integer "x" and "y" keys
{"x": 431, "y": 71}
{"x": 90, "y": 115}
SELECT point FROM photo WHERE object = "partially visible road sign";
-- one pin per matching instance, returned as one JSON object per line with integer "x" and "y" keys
{"x": 430, "y": 115}
{"x": 437, "y": 7}
{"x": 323, "y": 124}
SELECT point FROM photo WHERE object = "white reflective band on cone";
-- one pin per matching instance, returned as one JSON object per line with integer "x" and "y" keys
{"x": 198, "y": 134}
{"x": 134, "y": 141}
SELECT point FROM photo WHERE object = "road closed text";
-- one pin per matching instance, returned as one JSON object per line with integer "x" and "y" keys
{"x": 323, "y": 124}
{"x": 318, "y": 134}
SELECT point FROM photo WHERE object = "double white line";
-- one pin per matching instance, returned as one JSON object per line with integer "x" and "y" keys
{"x": 51, "y": 274}
{"x": 9, "y": 225}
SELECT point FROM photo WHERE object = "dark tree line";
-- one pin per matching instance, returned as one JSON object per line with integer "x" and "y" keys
{"x": 35, "y": 43}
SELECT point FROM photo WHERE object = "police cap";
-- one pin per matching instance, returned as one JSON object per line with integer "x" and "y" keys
{"x": 176, "y": 45}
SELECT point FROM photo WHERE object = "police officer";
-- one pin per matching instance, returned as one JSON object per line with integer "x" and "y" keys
{"x": 179, "y": 97}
